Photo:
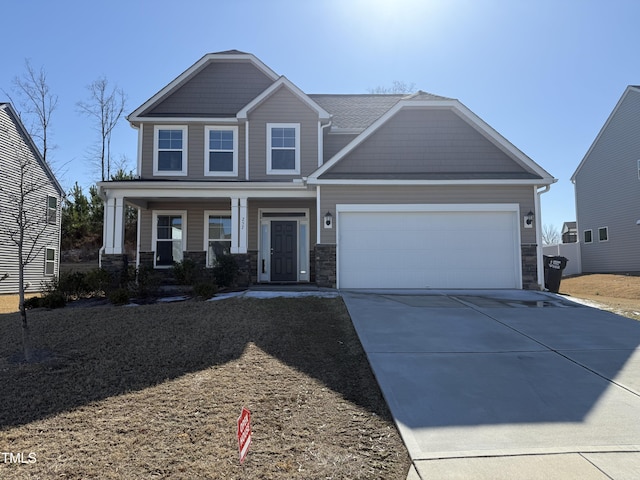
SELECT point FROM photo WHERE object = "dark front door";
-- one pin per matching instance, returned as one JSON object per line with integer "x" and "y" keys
{"x": 284, "y": 251}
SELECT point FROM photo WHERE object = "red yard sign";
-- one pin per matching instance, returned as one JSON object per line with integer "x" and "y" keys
{"x": 244, "y": 433}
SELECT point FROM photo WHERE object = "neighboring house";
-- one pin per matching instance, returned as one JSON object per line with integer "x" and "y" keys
{"x": 42, "y": 206}
{"x": 569, "y": 232}
{"x": 353, "y": 191}
{"x": 607, "y": 189}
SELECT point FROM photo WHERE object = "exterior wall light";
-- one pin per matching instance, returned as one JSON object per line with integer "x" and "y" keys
{"x": 528, "y": 220}
{"x": 328, "y": 220}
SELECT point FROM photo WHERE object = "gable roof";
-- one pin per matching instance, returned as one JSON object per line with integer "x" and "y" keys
{"x": 540, "y": 176}
{"x": 7, "y": 107}
{"x": 629, "y": 89}
{"x": 139, "y": 113}
{"x": 284, "y": 82}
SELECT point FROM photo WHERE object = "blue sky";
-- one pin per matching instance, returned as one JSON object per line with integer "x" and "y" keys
{"x": 545, "y": 74}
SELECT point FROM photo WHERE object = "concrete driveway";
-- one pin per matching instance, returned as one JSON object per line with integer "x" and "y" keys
{"x": 505, "y": 384}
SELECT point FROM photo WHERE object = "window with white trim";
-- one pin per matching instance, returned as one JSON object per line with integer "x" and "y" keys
{"x": 588, "y": 236}
{"x": 50, "y": 261}
{"x": 170, "y": 150}
{"x": 221, "y": 151}
{"x": 169, "y": 236}
{"x": 283, "y": 148}
{"x": 603, "y": 234}
{"x": 52, "y": 210}
{"x": 217, "y": 235}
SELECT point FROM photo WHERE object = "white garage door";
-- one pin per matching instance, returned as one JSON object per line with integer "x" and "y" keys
{"x": 428, "y": 249}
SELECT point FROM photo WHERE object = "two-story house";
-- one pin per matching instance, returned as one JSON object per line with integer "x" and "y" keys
{"x": 353, "y": 191}
{"x": 607, "y": 189}
{"x": 31, "y": 205}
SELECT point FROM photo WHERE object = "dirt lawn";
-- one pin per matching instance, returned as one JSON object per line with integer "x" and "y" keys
{"x": 155, "y": 392}
{"x": 617, "y": 293}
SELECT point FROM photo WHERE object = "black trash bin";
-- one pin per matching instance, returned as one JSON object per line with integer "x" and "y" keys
{"x": 553, "y": 267}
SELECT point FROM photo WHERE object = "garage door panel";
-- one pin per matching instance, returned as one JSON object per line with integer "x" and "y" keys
{"x": 458, "y": 249}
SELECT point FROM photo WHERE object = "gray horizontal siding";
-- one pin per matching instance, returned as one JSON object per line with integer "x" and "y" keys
{"x": 427, "y": 141}
{"x": 608, "y": 193}
{"x": 195, "y": 153}
{"x": 221, "y": 89}
{"x": 15, "y": 149}
{"x": 195, "y": 221}
{"x": 331, "y": 195}
{"x": 282, "y": 107}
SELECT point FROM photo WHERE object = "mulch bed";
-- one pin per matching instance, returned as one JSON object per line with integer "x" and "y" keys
{"x": 155, "y": 392}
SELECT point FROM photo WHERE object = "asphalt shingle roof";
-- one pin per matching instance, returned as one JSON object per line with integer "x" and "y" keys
{"x": 358, "y": 111}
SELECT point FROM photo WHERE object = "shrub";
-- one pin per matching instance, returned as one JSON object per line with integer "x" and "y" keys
{"x": 98, "y": 281}
{"x": 205, "y": 289}
{"x": 147, "y": 282}
{"x": 119, "y": 296}
{"x": 71, "y": 285}
{"x": 225, "y": 270}
{"x": 53, "y": 300}
{"x": 187, "y": 272}
{"x": 33, "y": 302}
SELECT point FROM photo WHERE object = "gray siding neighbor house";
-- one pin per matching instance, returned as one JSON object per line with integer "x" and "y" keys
{"x": 607, "y": 189}
{"x": 346, "y": 191}
{"x": 21, "y": 165}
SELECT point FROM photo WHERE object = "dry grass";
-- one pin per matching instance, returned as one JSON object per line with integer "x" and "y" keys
{"x": 615, "y": 292}
{"x": 155, "y": 392}
{"x": 9, "y": 303}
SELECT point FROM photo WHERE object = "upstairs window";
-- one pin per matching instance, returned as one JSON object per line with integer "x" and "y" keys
{"x": 283, "y": 148}
{"x": 221, "y": 151}
{"x": 170, "y": 150}
{"x": 603, "y": 234}
{"x": 588, "y": 236}
{"x": 52, "y": 210}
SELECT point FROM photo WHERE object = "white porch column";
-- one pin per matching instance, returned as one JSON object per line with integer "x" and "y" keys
{"x": 114, "y": 225}
{"x": 235, "y": 225}
{"x": 243, "y": 231}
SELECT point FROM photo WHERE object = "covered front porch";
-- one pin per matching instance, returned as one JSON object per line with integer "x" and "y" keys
{"x": 270, "y": 228}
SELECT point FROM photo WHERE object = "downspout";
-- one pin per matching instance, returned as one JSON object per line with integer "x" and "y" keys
{"x": 320, "y": 162}
{"x": 538, "y": 218}
{"x": 103, "y": 196}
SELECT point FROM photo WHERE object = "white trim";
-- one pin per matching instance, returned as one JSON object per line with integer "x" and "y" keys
{"x": 266, "y": 277}
{"x": 54, "y": 261}
{"x": 316, "y": 181}
{"x": 274, "y": 87}
{"x": 429, "y": 207}
{"x": 246, "y": 150}
{"x": 296, "y": 170}
{"x": 198, "y": 120}
{"x": 583, "y": 236}
{"x": 139, "y": 153}
{"x": 207, "y": 191}
{"x": 606, "y": 229}
{"x": 206, "y": 239}
{"x": 243, "y": 230}
{"x": 154, "y": 231}
{"x": 235, "y": 225}
{"x": 318, "y": 218}
{"x": 138, "y": 228}
{"x": 629, "y": 89}
{"x": 207, "y": 151}
{"x": 194, "y": 69}
{"x": 185, "y": 151}
{"x": 454, "y": 105}
{"x": 513, "y": 208}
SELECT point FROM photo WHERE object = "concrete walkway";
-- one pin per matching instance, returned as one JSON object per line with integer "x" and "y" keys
{"x": 505, "y": 384}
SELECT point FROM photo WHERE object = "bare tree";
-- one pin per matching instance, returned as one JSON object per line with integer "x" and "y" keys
{"x": 397, "y": 86}
{"x": 27, "y": 211}
{"x": 550, "y": 235}
{"x": 35, "y": 100}
{"x": 105, "y": 107}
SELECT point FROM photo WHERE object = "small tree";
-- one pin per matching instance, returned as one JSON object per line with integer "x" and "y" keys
{"x": 105, "y": 107}
{"x": 397, "y": 87}
{"x": 550, "y": 235}
{"x": 26, "y": 209}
